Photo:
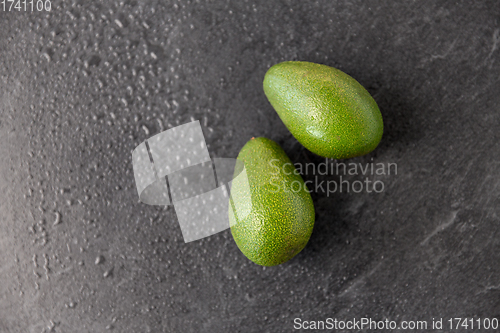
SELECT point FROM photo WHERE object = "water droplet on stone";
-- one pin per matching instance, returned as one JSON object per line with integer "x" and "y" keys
{"x": 108, "y": 273}
{"x": 99, "y": 260}
{"x": 71, "y": 305}
{"x": 57, "y": 219}
{"x": 47, "y": 56}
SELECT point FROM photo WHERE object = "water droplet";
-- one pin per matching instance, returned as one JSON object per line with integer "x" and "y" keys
{"x": 58, "y": 218}
{"x": 108, "y": 273}
{"x": 99, "y": 260}
{"x": 47, "y": 56}
{"x": 119, "y": 23}
{"x": 71, "y": 305}
{"x": 46, "y": 265}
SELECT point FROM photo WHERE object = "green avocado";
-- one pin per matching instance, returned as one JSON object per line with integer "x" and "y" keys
{"x": 272, "y": 217}
{"x": 325, "y": 109}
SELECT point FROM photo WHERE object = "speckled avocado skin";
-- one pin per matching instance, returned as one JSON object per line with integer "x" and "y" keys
{"x": 281, "y": 217}
{"x": 326, "y": 110}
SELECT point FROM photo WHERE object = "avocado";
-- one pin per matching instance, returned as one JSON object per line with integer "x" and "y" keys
{"x": 273, "y": 221}
{"x": 326, "y": 110}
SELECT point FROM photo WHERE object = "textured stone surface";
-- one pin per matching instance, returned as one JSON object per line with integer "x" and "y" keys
{"x": 83, "y": 85}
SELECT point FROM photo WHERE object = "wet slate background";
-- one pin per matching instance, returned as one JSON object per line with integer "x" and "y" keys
{"x": 81, "y": 86}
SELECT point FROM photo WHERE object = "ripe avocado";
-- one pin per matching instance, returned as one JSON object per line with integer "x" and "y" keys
{"x": 280, "y": 211}
{"x": 325, "y": 109}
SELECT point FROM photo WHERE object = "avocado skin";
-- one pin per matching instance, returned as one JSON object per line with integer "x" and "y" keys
{"x": 326, "y": 110}
{"x": 281, "y": 217}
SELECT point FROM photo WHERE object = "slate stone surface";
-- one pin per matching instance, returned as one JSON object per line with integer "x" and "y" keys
{"x": 83, "y": 85}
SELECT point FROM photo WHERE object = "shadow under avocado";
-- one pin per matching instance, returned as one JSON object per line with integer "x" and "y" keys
{"x": 401, "y": 124}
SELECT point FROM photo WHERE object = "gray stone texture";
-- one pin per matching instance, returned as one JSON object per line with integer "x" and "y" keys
{"x": 83, "y": 85}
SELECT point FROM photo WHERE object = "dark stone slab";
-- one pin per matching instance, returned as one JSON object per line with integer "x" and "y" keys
{"x": 83, "y": 85}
